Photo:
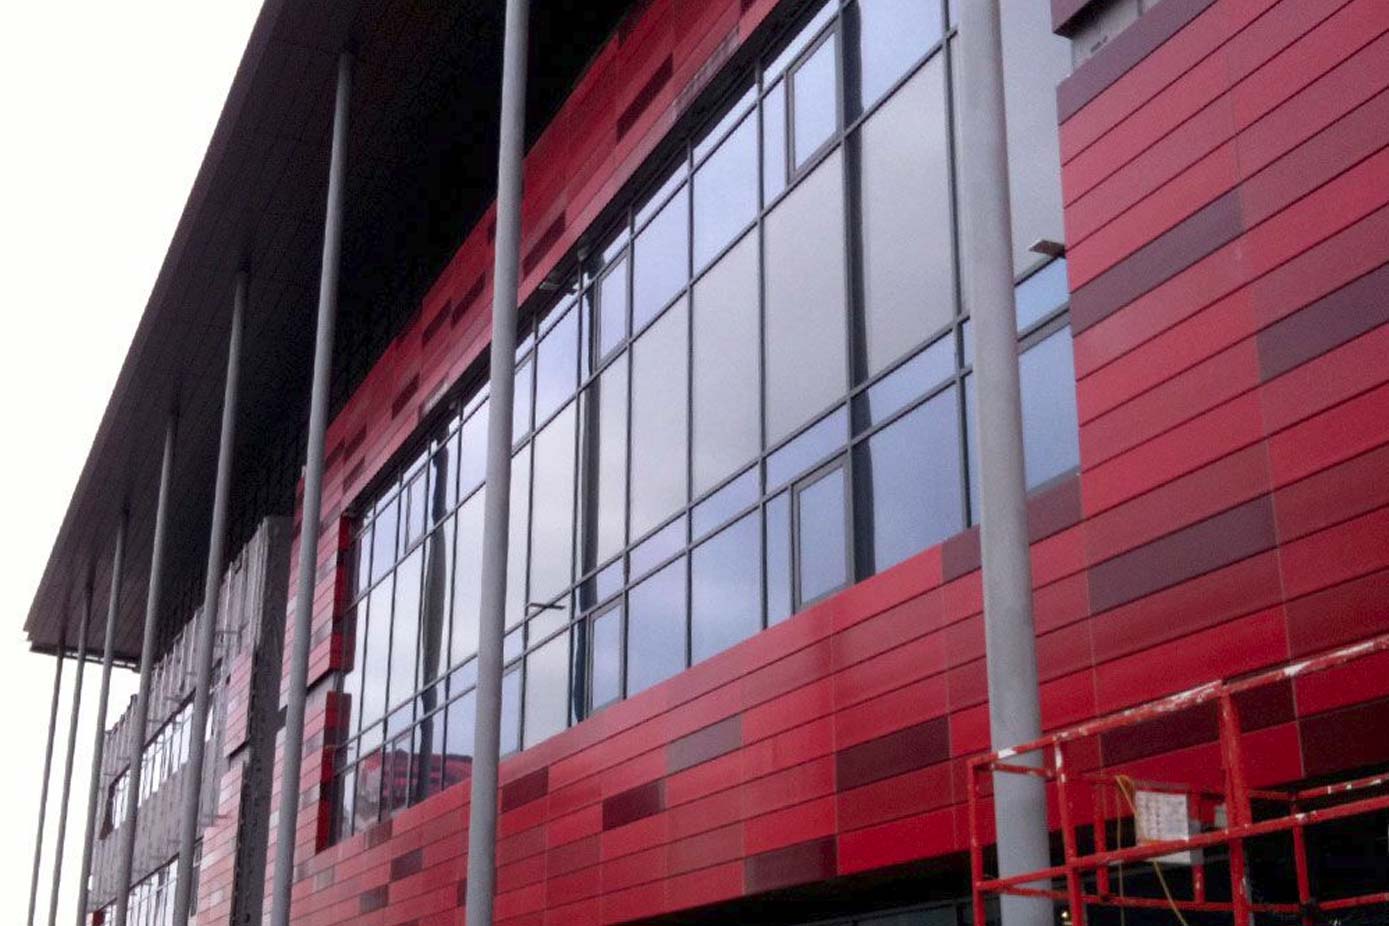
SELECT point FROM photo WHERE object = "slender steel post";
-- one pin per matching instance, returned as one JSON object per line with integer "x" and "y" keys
{"x": 83, "y": 625}
{"x": 113, "y": 606}
{"x": 140, "y": 719}
{"x": 47, "y": 770}
{"x": 482, "y": 822}
{"x": 207, "y": 631}
{"x": 1014, "y": 709}
{"x": 312, "y": 507}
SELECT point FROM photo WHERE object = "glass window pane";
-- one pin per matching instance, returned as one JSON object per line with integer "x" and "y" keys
{"x": 821, "y": 540}
{"x": 557, "y": 365}
{"x": 908, "y": 485}
{"x": 893, "y": 35}
{"x": 778, "y": 533}
{"x": 547, "y": 690}
{"x": 605, "y": 464}
{"x": 416, "y": 502}
{"x": 521, "y": 410}
{"x": 366, "y": 808}
{"x": 552, "y": 527}
{"x": 383, "y": 538}
{"x": 462, "y": 715}
{"x": 657, "y": 548}
{"x": 612, "y": 309}
{"x": 805, "y": 326}
{"x": 662, "y": 260}
{"x": 376, "y": 665}
{"x": 774, "y": 143}
{"x": 814, "y": 99}
{"x": 723, "y": 504}
{"x": 445, "y": 478}
{"x": 802, "y": 38}
{"x": 405, "y": 628}
{"x": 908, "y": 276}
{"x": 904, "y": 385}
{"x": 716, "y": 132}
{"x": 517, "y": 532}
{"x": 429, "y": 761}
{"x": 511, "y": 712}
{"x": 727, "y": 421}
{"x": 472, "y": 468}
{"x": 726, "y": 586}
{"x": 606, "y": 666}
{"x": 1035, "y": 60}
{"x": 656, "y": 628}
{"x": 467, "y": 582}
{"x": 438, "y": 564}
{"x": 659, "y": 412}
{"x": 1050, "y": 431}
{"x": 725, "y": 193}
{"x": 1041, "y": 294}
{"x": 808, "y": 448}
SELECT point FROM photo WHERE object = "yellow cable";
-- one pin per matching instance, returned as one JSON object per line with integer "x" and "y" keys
{"x": 1126, "y": 788}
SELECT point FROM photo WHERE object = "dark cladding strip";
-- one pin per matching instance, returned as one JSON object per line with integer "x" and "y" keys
{"x": 1159, "y": 260}
{"x": 406, "y": 393}
{"x": 465, "y": 302}
{"x": 372, "y": 900}
{"x": 894, "y": 754}
{"x": 377, "y": 834}
{"x": 1226, "y": 538}
{"x": 654, "y": 84}
{"x": 634, "y": 804}
{"x": 543, "y": 244}
{"x": 803, "y": 863}
{"x": 403, "y": 866}
{"x": 572, "y": 856}
{"x": 1049, "y": 512}
{"x": 1124, "y": 51}
{"x": 525, "y": 789}
{"x": 1258, "y": 708}
{"x": 1338, "y": 615}
{"x": 702, "y": 745}
{"x": 1345, "y": 739}
{"x": 1326, "y": 324}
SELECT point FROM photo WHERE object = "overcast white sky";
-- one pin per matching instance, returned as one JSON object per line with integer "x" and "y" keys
{"x": 105, "y": 112}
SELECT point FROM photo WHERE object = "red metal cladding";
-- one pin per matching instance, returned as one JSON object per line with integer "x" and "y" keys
{"x": 1226, "y": 174}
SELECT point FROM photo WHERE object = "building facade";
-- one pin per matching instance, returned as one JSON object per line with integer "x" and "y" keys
{"x": 744, "y": 652}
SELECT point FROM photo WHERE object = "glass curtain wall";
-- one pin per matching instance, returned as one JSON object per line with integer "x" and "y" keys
{"x": 753, "y": 392}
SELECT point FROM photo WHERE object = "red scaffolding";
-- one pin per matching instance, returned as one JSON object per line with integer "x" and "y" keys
{"x": 1086, "y": 879}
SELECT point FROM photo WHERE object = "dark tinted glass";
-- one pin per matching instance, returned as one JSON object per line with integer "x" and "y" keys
{"x": 821, "y": 536}
{"x": 656, "y": 628}
{"x": 662, "y": 258}
{"x": 908, "y": 485}
{"x": 1050, "y": 430}
{"x": 726, "y": 585}
{"x": 725, "y": 192}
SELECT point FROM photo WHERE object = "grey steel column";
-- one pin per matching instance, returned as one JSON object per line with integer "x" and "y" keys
{"x": 207, "y": 631}
{"x": 47, "y": 770}
{"x": 113, "y": 603}
{"x": 312, "y": 508}
{"x": 67, "y": 763}
{"x": 482, "y": 822}
{"x": 140, "y": 719}
{"x": 1014, "y": 711}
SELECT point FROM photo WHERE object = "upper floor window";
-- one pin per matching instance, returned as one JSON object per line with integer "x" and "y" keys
{"x": 753, "y": 391}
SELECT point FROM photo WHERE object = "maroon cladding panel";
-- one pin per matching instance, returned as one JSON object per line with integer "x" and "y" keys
{"x": 522, "y": 791}
{"x": 799, "y": 864}
{"x": 701, "y": 746}
{"x": 904, "y": 751}
{"x": 634, "y": 804}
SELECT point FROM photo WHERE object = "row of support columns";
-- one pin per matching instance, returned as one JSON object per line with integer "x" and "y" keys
{"x": 1012, "y": 674}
